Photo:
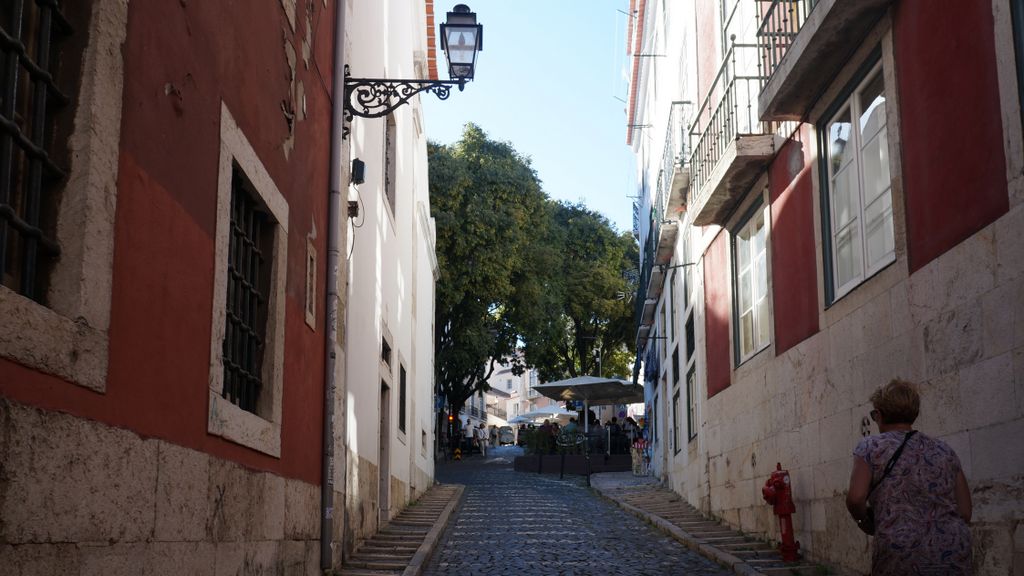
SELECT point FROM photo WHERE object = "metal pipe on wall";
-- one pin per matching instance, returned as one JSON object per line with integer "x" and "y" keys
{"x": 332, "y": 350}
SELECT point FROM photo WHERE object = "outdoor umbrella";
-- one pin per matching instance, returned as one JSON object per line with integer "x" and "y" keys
{"x": 593, "y": 391}
{"x": 548, "y": 412}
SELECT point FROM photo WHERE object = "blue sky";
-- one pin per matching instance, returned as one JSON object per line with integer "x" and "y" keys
{"x": 547, "y": 81}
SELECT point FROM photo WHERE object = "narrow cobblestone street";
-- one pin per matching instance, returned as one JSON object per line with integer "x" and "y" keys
{"x": 531, "y": 524}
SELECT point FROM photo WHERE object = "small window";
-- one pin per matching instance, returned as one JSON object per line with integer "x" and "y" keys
{"x": 690, "y": 342}
{"x": 33, "y": 163}
{"x": 508, "y": 384}
{"x": 677, "y": 416}
{"x": 385, "y": 352}
{"x": 248, "y": 312}
{"x": 654, "y": 419}
{"x": 248, "y": 288}
{"x": 390, "y": 160}
{"x": 857, "y": 187}
{"x": 753, "y": 326}
{"x": 1017, "y": 15}
{"x": 691, "y": 402}
{"x": 401, "y": 398}
{"x": 672, "y": 306}
{"x": 664, "y": 330}
{"x": 675, "y": 365}
{"x": 310, "y": 307}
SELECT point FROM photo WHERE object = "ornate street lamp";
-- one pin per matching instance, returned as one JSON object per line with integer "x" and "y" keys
{"x": 461, "y": 39}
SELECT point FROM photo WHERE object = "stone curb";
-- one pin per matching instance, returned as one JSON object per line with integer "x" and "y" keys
{"x": 736, "y": 564}
{"x": 426, "y": 549}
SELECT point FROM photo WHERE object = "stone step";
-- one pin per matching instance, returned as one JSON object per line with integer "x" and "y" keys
{"x": 397, "y": 522}
{"x": 376, "y": 546}
{"x": 401, "y": 537}
{"x": 404, "y": 531}
{"x": 377, "y": 564}
{"x": 386, "y": 557}
{"x": 719, "y": 540}
{"x": 749, "y": 548}
{"x": 790, "y": 570}
{"x": 365, "y": 572}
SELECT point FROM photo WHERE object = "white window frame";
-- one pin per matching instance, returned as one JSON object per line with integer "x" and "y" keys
{"x": 857, "y": 224}
{"x": 260, "y": 431}
{"x": 69, "y": 337}
{"x": 754, "y": 259}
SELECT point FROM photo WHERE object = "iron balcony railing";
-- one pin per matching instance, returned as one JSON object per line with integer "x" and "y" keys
{"x": 645, "y": 277}
{"x": 728, "y": 112}
{"x": 779, "y": 26}
{"x": 675, "y": 156}
{"x": 497, "y": 412}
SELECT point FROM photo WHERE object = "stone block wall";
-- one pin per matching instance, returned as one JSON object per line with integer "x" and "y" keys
{"x": 956, "y": 326}
{"x": 80, "y": 498}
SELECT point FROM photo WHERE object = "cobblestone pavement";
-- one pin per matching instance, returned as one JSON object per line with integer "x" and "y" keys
{"x": 527, "y": 524}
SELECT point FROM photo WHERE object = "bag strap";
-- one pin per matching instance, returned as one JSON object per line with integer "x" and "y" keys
{"x": 892, "y": 462}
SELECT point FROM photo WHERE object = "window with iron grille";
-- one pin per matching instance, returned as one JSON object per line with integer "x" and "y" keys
{"x": 35, "y": 104}
{"x": 248, "y": 284}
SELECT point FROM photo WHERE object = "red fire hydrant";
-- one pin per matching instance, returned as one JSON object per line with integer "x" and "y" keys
{"x": 778, "y": 492}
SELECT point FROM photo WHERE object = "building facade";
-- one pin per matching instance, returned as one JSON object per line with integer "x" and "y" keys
{"x": 389, "y": 316}
{"x": 165, "y": 171}
{"x": 822, "y": 210}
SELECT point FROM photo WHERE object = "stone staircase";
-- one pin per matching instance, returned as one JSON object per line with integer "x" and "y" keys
{"x": 402, "y": 546}
{"x": 670, "y": 512}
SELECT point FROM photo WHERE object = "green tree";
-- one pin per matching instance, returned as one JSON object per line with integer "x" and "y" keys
{"x": 587, "y": 323}
{"x": 491, "y": 216}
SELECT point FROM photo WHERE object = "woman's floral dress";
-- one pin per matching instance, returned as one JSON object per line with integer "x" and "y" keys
{"x": 917, "y": 527}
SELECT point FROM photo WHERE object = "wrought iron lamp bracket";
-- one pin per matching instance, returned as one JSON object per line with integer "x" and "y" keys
{"x": 378, "y": 97}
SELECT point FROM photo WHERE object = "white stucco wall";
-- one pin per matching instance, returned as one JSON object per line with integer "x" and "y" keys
{"x": 390, "y": 273}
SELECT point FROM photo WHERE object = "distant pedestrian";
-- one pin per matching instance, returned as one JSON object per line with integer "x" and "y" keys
{"x": 481, "y": 439}
{"x": 493, "y": 433}
{"x": 909, "y": 491}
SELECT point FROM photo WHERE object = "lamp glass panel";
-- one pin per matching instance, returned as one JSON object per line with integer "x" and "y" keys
{"x": 461, "y": 45}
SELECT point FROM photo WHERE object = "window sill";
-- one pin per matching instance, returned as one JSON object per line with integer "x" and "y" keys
{"x": 245, "y": 428}
{"x": 39, "y": 338}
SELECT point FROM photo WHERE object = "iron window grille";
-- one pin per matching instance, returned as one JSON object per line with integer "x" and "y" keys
{"x": 31, "y": 38}
{"x": 250, "y": 243}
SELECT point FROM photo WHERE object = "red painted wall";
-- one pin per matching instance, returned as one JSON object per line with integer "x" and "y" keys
{"x": 717, "y": 305}
{"x": 181, "y": 60}
{"x": 954, "y": 171}
{"x": 794, "y": 270}
{"x": 709, "y": 58}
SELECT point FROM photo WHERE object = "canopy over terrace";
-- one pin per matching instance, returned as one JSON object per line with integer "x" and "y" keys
{"x": 594, "y": 391}
{"x": 543, "y": 413}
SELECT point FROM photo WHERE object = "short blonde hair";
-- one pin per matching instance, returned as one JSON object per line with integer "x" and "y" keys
{"x": 898, "y": 401}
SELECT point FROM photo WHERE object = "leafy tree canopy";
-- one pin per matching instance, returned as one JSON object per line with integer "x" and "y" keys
{"x": 523, "y": 279}
{"x": 489, "y": 210}
{"x": 589, "y": 328}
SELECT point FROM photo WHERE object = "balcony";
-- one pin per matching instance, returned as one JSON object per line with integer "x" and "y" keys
{"x": 732, "y": 146}
{"x": 804, "y": 45}
{"x": 644, "y": 304}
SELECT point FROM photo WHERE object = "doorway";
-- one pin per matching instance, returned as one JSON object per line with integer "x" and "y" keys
{"x": 384, "y": 454}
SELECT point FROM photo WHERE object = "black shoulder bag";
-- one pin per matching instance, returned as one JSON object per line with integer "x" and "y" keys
{"x": 868, "y": 523}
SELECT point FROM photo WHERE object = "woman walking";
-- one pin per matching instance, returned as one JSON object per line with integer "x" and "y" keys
{"x": 909, "y": 491}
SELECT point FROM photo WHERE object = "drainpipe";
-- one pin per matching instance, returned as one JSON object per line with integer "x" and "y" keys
{"x": 331, "y": 348}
